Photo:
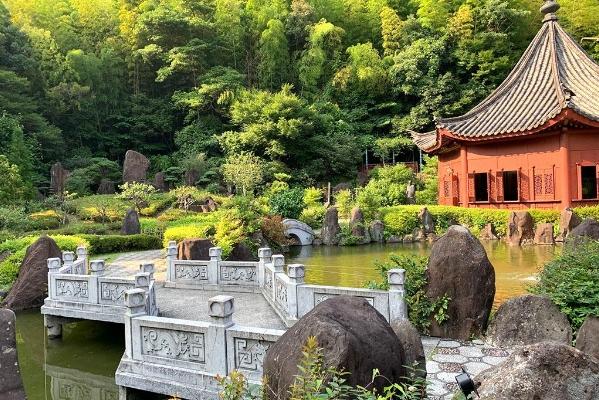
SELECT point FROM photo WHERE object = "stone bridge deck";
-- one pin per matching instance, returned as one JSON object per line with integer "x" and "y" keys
{"x": 445, "y": 358}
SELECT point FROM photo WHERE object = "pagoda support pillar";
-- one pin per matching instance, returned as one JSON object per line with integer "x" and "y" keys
{"x": 464, "y": 176}
{"x": 566, "y": 185}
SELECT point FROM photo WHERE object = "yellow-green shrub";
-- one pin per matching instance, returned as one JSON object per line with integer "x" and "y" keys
{"x": 179, "y": 233}
{"x": 313, "y": 216}
{"x": 49, "y": 219}
{"x": 344, "y": 202}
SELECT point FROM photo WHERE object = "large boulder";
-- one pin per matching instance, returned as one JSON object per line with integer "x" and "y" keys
{"x": 588, "y": 229}
{"x": 520, "y": 228}
{"x": 194, "y": 249}
{"x": 411, "y": 342}
{"x": 567, "y": 222}
{"x": 160, "y": 182}
{"x": 330, "y": 228}
{"x": 242, "y": 252}
{"x": 426, "y": 220}
{"x": 459, "y": 268}
{"x": 353, "y": 336}
{"x": 31, "y": 286}
{"x": 357, "y": 225}
{"x": 587, "y": 339}
{"x": 11, "y": 385}
{"x": 135, "y": 167}
{"x": 528, "y": 319}
{"x": 106, "y": 187}
{"x": 58, "y": 178}
{"x": 131, "y": 225}
{"x": 544, "y": 234}
{"x": 377, "y": 231}
{"x": 544, "y": 371}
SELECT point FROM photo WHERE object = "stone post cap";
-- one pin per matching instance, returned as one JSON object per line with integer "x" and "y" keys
{"x": 142, "y": 279}
{"x": 221, "y": 306}
{"x": 264, "y": 252}
{"x": 147, "y": 267}
{"x": 215, "y": 252}
{"x": 296, "y": 271}
{"x": 171, "y": 250}
{"x": 54, "y": 263}
{"x": 396, "y": 276}
{"x": 81, "y": 251}
{"x": 172, "y": 243}
{"x": 68, "y": 256}
{"x": 97, "y": 265}
{"x": 278, "y": 262}
{"x": 135, "y": 298}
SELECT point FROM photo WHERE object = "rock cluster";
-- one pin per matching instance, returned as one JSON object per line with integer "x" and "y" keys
{"x": 587, "y": 339}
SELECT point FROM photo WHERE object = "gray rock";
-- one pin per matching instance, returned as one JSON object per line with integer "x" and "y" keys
{"x": 330, "y": 227}
{"x": 544, "y": 234}
{"x": 58, "y": 178}
{"x": 31, "y": 287}
{"x": 567, "y": 222}
{"x": 426, "y": 219}
{"x": 459, "y": 268}
{"x": 377, "y": 231}
{"x": 194, "y": 249}
{"x": 588, "y": 229}
{"x": 354, "y": 337}
{"x": 135, "y": 167}
{"x": 546, "y": 370}
{"x": 160, "y": 182}
{"x": 408, "y": 239}
{"x": 520, "y": 228}
{"x": 587, "y": 339}
{"x": 418, "y": 235}
{"x": 488, "y": 233}
{"x": 394, "y": 239}
{"x": 357, "y": 225}
{"x": 191, "y": 177}
{"x": 106, "y": 187}
{"x": 242, "y": 252}
{"x": 131, "y": 225}
{"x": 528, "y": 319}
{"x": 411, "y": 342}
{"x": 11, "y": 385}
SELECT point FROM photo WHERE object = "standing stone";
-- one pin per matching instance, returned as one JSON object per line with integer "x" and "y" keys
{"x": 587, "y": 339}
{"x": 106, "y": 187}
{"x": 544, "y": 234}
{"x": 11, "y": 385}
{"x": 426, "y": 219}
{"x": 411, "y": 193}
{"x": 242, "y": 252}
{"x": 544, "y": 371}
{"x": 131, "y": 225}
{"x": 357, "y": 225}
{"x": 58, "y": 178}
{"x": 353, "y": 336}
{"x": 567, "y": 222}
{"x": 460, "y": 269}
{"x": 31, "y": 286}
{"x": 520, "y": 228}
{"x": 330, "y": 227}
{"x": 488, "y": 233}
{"x": 194, "y": 249}
{"x": 528, "y": 319}
{"x": 160, "y": 182}
{"x": 411, "y": 342}
{"x": 589, "y": 228}
{"x": 191, "y": 177}
{"x": 211, "y": 204}
{"x": 135, "y": 167}
{"x": 377, "y": 231}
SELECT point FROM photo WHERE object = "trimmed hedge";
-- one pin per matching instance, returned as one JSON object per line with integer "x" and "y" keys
{"x": 121, "y": 243}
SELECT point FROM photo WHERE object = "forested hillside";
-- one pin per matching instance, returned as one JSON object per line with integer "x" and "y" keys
{"x": 305, "y": 85}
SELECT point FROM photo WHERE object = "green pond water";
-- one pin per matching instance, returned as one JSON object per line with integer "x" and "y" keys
{"x": 81, "y": 366}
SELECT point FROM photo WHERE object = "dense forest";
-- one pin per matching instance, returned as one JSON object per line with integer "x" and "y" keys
{"x": 305, "y": 86}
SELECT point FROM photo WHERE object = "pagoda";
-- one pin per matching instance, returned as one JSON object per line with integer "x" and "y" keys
{"x": 534, "y": 142}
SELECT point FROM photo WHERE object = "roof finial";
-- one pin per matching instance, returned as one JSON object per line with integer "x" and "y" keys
{"x": 549, "y": 8}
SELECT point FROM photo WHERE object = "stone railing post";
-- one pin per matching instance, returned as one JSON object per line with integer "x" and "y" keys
{"x": 296, "y": 274}
{"x": 135, "y": 302}
{"x": 171, "y": 256}
{"x": 147, "y": 267}
{"x": 215, "y": 254}
{"x": 398, "y": 310}
{"x": 278, "y": 266}
{"x": 68, "y": 258}
{"x": 221, "y": 310}
{"x": 264, "y": 257}
{"x": 97, "y": 267}
{"x": 142, "y": 280}
{"x": 54, "y": 265}
{"x": 82, "y": 256}
{"x": 96, "y": 270}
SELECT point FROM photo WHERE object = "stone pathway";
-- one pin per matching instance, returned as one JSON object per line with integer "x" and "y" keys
{"x": 445, "y": 359}
{"x": 127, "y": 264}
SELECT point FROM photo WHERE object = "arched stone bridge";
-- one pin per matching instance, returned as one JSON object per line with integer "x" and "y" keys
{"x": 299, "y": 230}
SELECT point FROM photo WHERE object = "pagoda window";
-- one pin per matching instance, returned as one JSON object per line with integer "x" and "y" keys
{"x": 588, "y": 180}
{"x": 481, "y": 187}
{"x": 510, "y": 186}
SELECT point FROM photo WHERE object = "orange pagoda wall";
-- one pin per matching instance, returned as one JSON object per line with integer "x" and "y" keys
{"x": 548, "y": 169}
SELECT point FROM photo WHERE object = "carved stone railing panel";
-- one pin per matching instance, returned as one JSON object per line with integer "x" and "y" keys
{"x": 112, "y": 290}
{"x": 238, "y": 275}
{"x": 75, "y": 288}
{"x": 190, "y": 271}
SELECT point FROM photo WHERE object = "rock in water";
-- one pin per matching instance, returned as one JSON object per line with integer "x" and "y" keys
{"x": 426, "y": 219}
{"x": 194, "y": 249}
{"x": 520, "y": 228}
{"x": 135, "y": 167}
{"x": 131, "y": 225}
{"x": 528, "y": 319}
{"x": 544, "y": 234}
{"x": 357, "y": 225}
{"x": 31, "y": 286}
{"x": 589, "y": 229}
{"x": 412, "y": 344}
{"x": 567, "y": 222}
{"x": 543, "y": 371}
{"x": 488, "y": 233}
{"x": 330, "y": 227}
{"x": 459, "y": 268}
{"x": 11, "y": 385}
{"x": 587, "y": 339}
{"x": 354, "y": 338}
{"x": 377, "y": 231}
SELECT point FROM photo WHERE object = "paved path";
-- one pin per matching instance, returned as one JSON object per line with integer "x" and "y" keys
{"x": 445, "y": 358}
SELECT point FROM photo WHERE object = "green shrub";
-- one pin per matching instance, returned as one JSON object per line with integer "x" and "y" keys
{"x": 88, "y": 173}
{"x": 571, "y": 281}
{"x": 400, "y": 220}
{"x": 99, "y": 208}
{"x": 288, "y": 203}
{"x": 588, "y": 212}
{"x": 44, "y": 220}
{"x": 313, "y": 216}
{"x": 179, "y": 233}
{"x": 428, "y": 193}
{"x": 89, "y": 228}
{"x": 156, "y": 203}
{"x": 387, "y": 187}
{"x": 344, "y": 202}
{"x": 121, "y": 243}
{"x": 15, "y": 219}
{"x": 312, "y": 197}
